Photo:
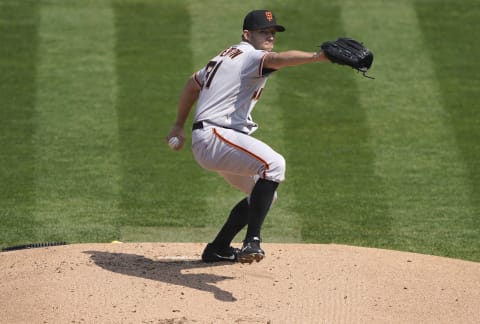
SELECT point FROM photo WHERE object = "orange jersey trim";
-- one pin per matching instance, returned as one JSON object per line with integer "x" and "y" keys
{"x": 256, "y": 157}
{"x": 260, "y": 67}
{"x": 195, "y": 77}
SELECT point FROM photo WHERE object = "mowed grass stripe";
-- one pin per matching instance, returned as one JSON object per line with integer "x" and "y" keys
{"x": 18, "y": 48}
{"x": 153, "y": 60}
{"x": 416, "y": 155}
{"x": 442, "y": 24}
{"x": 211, "y": 32}
{"x": 76, "y": 176}
{"x": 330, "y": 160}
{"x": 215, "y": 26}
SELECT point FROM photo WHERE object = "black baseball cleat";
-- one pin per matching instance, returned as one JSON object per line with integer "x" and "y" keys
{"x": 211, "y": 254}
{"x": 251, "y": 251}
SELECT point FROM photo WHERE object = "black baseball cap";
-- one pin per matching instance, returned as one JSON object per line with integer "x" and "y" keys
{"x": 260, "y": 19}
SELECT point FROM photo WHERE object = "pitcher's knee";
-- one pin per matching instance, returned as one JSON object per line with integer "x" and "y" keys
{"x": 276, "y": 169}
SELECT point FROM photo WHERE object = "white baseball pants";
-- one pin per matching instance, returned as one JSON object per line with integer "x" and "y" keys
{"x": 239, "y": 158}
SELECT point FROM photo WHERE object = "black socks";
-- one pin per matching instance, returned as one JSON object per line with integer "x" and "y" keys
{"x": 234, "y": 224}
{"x": 244, "y": 213}
{"x": 260, "y": 201}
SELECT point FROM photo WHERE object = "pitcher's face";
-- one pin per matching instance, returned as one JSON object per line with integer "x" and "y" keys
{"x": 261, "y": 39}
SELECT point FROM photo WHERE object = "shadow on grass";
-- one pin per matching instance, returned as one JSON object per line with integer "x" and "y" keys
{"x": 173, "y": 271}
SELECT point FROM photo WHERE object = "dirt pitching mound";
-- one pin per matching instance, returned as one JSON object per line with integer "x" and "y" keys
{"x": 295, "y": 283}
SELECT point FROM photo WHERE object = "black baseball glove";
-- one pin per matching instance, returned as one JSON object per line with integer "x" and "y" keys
{"x": 347, "y": 51}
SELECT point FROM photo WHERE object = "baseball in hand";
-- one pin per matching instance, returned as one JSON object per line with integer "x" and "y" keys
{"x": 174, "y": 142}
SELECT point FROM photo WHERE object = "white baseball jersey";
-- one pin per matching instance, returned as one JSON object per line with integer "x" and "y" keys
{"x": 231, "y": 83}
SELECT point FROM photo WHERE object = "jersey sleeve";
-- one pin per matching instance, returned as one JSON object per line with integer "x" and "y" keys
{"x": 198, "y": 77}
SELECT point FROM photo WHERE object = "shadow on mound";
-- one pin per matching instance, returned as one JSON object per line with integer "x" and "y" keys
{"x": 172, "y": 271}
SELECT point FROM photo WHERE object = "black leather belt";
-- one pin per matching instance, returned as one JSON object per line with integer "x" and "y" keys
{"x": 197, "y": 125}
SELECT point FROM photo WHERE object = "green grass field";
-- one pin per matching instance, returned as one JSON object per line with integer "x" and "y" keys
{"x": 88, "y": 91}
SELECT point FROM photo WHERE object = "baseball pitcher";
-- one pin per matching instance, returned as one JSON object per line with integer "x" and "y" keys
{"x": 225, "y": 91}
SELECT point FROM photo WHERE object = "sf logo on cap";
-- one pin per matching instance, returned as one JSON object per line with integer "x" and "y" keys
{"x": 268, "y": 15}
